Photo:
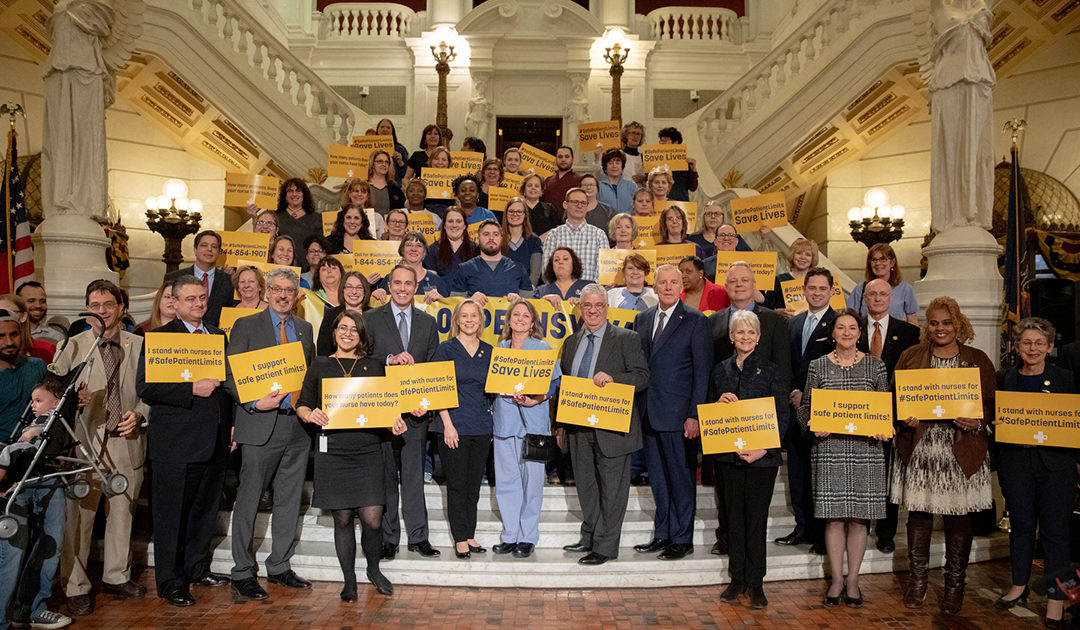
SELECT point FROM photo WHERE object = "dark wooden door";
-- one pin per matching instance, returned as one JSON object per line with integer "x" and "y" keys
{"x": 542, "y": 133}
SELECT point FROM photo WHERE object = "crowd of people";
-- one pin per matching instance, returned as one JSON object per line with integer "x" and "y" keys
{"x": 692, "y": 342}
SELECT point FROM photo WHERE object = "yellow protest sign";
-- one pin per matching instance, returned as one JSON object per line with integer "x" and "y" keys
{"x": 750, "y": 213}
{"x": 183, "y": 357}
{"x": 520, "y": 371}
{"x": 851, "y": 412}
{"x": 611, "y": 262}
{"x": 607, "y": 133}
{"x": 794, "y": 296}
{"x": 672, "y": 254}
{"x": 328, "y": 219}
{"x": 499, "y": 196}
{"x": 343, "y": 161}
{"x": 689, "y": 208}
{"x": 265, "y": 267}
{"x": 375, "y": 256}
{"x": 424, "y": 223}
{"x": 374, "y": 143}
{"x": 534, "y": 160}
{"x": 763, "y": 264}
{"x": 237, "y": 245}
{"x": 244, "y": 189}
{"x": 440, "y": 182}
{"x": 648, "y": 230}
{"x": 470, "y": 161}
{"x": 1038, "y": 418}
{"x": 230, "y": 314}
{"x": 555, "y": 324}
{"x": 938, "y": 394}
{"x": 427, "y": 386}
{"x": 278, "y": 368}
{"x": 365, "y": 402}
{"x": 744, "y": 425}
{"x": 582, "y": 403}
{"x": 674, "y": 155}
{"x": 512, "y": 180}
{"x": 837, "y": 299}
{"x": 348, "y": 261}
{"x": 474, "y": 230}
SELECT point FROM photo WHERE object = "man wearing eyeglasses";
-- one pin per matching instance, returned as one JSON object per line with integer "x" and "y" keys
{"x": 586, "y": 240}
{"x": 112, "y": 421}
{"x": 274, "y": 443}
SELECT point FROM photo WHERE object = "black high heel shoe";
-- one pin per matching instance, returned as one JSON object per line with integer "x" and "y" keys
{"x": 348, "y": 592}
{"x": 463, "y": 555}
{"x": 477, "y": 549}
{"x": 832, "y": 601}
{"x": 1006, "y": 604}
{"x": 853, "y": 602}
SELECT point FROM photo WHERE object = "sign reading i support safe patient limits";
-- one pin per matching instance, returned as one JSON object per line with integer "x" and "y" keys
{"x": 364, "y": 402}
{"x": 582, "y": 403}
{"x": 763, "y": 264}
{"x": 520, "y": 371}
{"x": 184, "y": 358}
{"x": 743, "y": 425}
{"x": 674, "y": 155}
{"x": 750, "y": 213}
{"x": 275, "y": 369}
{"x": 243, "y": 189}
{"x": 534, "y": 160}
{"x": 426, "y": 386}
{"x": 607, "y": 134}
{"x": 851, "y": 413}
{"x": 938, "y": 394}
{"x": 1038, "y": 418}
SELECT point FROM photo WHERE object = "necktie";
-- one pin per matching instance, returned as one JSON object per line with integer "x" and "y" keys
{"x": 659, "y": 328}
{"x": 111, "y": 355}
{"x": 282, "y": 341}
{"x": 584, "y": 368}
{"x": 206, "y": 281}
{"x": 403, "y": 331}
{"x": 875, "y": 341}
{"x": 808, "y": 330}
{"x": 197, "y": 331}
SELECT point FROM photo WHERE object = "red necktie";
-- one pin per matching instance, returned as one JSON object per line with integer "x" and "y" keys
{"x": 206, "y": 281}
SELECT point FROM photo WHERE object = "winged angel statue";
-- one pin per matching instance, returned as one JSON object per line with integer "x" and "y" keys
{"x": 91, "y": 40}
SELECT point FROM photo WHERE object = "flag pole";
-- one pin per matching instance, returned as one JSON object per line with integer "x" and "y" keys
{"x": 12, "y": 109}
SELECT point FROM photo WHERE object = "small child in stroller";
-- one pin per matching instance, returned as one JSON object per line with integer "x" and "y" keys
{"x": 17, "y": 456}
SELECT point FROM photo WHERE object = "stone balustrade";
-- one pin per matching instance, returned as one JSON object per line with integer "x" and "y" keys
{"x": 366, "y": 21}
{"x": 693, "y": 23}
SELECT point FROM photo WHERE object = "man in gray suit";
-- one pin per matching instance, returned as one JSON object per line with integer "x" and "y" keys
{"x": 403, "y": 335}
{"x": 606, "y": 354}
{"x": 274, "y": 444}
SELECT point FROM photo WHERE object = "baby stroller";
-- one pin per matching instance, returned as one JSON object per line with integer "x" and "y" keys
{"x": 53, "y": 456}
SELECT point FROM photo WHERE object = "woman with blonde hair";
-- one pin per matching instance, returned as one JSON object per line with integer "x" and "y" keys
{"x": 660, "y": 182}
{"x": 162, "y": 312}
{"x": 249, "y": 284}
{"x": 623, "y": 231}
{"x": 802, "y": 257}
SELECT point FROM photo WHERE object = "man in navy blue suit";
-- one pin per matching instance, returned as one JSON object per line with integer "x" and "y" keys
{"x": 678, "y": 346}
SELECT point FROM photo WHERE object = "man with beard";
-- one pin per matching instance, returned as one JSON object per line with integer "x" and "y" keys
{"x": 18, "y": 374}
{"x": 564, "y": 179}
{"x": 491, "y": 273}
{"x": 37, "y": 307}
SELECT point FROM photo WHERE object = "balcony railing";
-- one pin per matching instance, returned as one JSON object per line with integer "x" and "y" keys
{"x": 694, "y": 24}
{"x": 366, "y": 21}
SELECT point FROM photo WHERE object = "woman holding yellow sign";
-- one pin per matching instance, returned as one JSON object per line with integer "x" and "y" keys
{"x": 748, "y": 477}
{"x": 943, "y": 467}
{"x": 673, "y": 225}
{"x": 349, "y": 463}
{"x": 466, "y": 430}
{"x": 1049, "y": 470}
{"x": 848, "y": 470}
{"x": 519, "y": 485}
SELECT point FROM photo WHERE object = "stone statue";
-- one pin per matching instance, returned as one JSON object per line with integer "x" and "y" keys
{"x": 476, "y": 122}
{"x": 91, "y": 39}
{"x": 577, "y": 108}
{"x": 961, "y": 81}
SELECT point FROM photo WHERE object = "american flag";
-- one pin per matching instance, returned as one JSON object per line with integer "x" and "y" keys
{"x": 13, "y": 198}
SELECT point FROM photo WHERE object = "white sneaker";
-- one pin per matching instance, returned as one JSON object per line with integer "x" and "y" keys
{"x": 49, "y": 619}
{"x": 428, "y": 478}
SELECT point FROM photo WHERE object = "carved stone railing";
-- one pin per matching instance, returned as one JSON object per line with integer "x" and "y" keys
{"x": 694, "y": 24}
{"x": 366, "y": 21}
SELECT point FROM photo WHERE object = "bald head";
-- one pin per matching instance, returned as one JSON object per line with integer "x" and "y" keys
{"x": 878, "y": 297}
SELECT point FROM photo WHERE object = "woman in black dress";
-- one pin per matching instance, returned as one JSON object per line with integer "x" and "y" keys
{"x": 349, "y": 463}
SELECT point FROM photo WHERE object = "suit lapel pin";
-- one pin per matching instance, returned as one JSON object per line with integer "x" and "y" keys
{"x": 1046, "y": 383}
{"x": 894, "y": 338}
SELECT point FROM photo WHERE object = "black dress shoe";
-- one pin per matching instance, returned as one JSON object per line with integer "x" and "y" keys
{"x": 179, "y": 596}
{"x": 212, "y": 579}
{"x": 1006, "y": 604}
{"x": 578, "y": 547}
{"x": 127, "y": 589}
{"x": 382, "y": 585}
{"x": 477, "y": 549}
{"x": 639, "y": 480}
{"x": 732, "y": 592}
{"x": 853, "y": 602}
{"x": 389, "y": 552}
{"x": 593, "y": 559}
{"x": 654, "y": 545}
{"x": 248, "y": 588}
{"x": 719, "y": 548}
{"x": 794, "y": 538}
{"x": 886, "y": 545}
{"x": 757, "y": 598}
{"x": 463, "y": 555}
{"x": 819, "y": 549}
{"x": 348, "y": 593}
{"x": 676, "y": 551}
{"x": 831, "y": 601}
{"x": 1054, "y": 623}
{"x": 504, "y": 548}
{"x": 80, "y": 605}
{"x": 524, "y": 550}
{"x": 425, "y": 549}
{"x": 289, "y": 579}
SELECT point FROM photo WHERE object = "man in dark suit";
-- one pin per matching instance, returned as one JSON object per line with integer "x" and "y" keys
{"x": 217, "y": 282}
{"x": 403, "y": 335}
{"x": 606, "y": 354}
{"x": 886, "y": 337}
{"x": 741, "y": 288}
{"x": 1069, "y": 359}
{"x": 274, "y": 443}
{"x": 188, "y": 437}
{"x": 677, "y": 345}
{"x": 809, "y": 338}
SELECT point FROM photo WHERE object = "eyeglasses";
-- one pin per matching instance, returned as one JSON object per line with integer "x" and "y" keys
{"x": 397, "y": 222}
{"x": 586, "y": 306}
{"x": 878, "y": 259}
{"x": 284, "y": 290}
{"x": 575, "y": 202}
{"x": 100, "y": 306}
{"x": 727, "y": 237}
{"x": 265, "y": 223}
{"x": 515, "y": 212}
{"x": 347, "y": 330}
{"x": 881, "y": 294}
{"x": 1038, "y": 343}
{"x": 315, "y": 252}
{"x": 354, "y": 287}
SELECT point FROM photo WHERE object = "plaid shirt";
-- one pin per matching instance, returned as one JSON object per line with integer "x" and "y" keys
{"x": 586, "y": 241}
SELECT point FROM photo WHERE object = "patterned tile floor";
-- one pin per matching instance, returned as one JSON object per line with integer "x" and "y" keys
{"x": 793, "y": 605}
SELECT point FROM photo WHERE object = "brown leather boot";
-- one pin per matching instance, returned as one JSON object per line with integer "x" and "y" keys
{"x": 919, "y": 530}
{"x": 957, "y": 550}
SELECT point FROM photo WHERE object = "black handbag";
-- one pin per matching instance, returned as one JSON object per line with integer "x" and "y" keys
{"x": 536, "y": 447}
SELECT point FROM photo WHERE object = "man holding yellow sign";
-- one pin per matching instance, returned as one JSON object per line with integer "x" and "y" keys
{"x": 609, "y": 356}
